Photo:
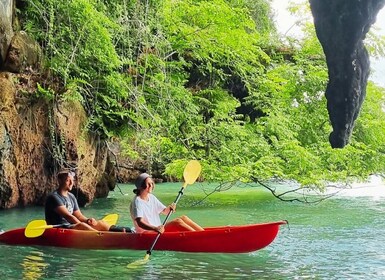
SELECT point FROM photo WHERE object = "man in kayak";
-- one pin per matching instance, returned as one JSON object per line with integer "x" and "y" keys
{"x": 145, "y": 209}
{"x": 61, "y": 208}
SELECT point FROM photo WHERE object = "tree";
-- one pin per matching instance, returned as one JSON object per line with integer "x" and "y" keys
{"x": 175, "y": 80}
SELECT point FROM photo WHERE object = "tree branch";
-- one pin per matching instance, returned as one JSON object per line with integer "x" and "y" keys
{"x": 304, "y": 194}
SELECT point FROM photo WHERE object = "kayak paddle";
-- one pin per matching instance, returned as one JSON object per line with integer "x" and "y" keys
{"x": 36, "y": 228}
{"x": 190, "y": 174}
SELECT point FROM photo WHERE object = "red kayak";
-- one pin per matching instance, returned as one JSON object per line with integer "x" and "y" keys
{"x": 225, "y": 239}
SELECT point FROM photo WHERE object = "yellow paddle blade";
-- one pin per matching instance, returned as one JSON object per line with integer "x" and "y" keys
{"x": 36, "y": 228}
{"x": 140, "y": 262}
{"x": 111, "y": 219}
{"x": 191, "y": 172}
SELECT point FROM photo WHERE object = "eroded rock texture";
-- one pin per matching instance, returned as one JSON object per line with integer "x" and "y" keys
{"x": 23, "y": 52}
{"x": 36, "y": 140}
{"x": 341, "y": 26}
{"x": 36, "y": 137}
{"x": 6, "y": 31}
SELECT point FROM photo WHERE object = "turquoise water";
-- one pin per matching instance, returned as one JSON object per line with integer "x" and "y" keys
{"x": 340, "y": 238}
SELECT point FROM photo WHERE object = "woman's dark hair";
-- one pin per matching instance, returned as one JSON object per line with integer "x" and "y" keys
{"x": 140, "y": 183}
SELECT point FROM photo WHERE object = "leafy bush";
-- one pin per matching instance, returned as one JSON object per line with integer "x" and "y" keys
{"x": 181, "y": 79}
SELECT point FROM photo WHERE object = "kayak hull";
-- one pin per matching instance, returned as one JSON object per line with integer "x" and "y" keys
{"x": 225, "y": 239}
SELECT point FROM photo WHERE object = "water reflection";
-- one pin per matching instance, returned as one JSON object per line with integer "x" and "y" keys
{"x": 34, "y": 266}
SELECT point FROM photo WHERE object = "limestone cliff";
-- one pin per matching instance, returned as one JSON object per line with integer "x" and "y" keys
{"x": 6, "y": 30}
{"x": 39, "y": 136}
{"x": 341, "y": 27}
{"x": 36, "y": 139}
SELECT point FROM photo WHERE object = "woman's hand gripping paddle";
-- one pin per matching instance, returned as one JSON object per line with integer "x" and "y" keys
{"x": 190, "y": 174}
{"x": 36, "y": 228}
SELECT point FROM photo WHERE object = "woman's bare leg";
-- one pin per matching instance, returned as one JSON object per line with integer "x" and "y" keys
{"x": 182, "y": 223}
{"x": 177, "y": 225}
{"x": 191, "y": 223}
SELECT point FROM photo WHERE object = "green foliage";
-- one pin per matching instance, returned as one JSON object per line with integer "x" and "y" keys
{"x": 214, "y": 36}
{"x": 262, "y": 14}
{"x": 79, "y": 49}
{"x": 74, "y": 89}
{"x": 45, "y": 94}
{"x": 375, "y": 44}
{"x": 182, "y": 79}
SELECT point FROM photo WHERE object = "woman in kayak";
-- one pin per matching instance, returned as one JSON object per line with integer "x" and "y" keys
{"x": 61, "y": 208}
{"x": 145, "y": 209}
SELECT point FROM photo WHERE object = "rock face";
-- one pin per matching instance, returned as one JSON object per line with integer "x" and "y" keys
{"x": 22, "y": 143}
{"x": 36, "y": 140}
{"x": 37, "y": 136}
{"x": 6, "y": 30}
{"x": 341, "y": 26}
{"x": 23, "y": 52}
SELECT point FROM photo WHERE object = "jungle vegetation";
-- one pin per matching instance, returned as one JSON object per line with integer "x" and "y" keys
{"x": 205, "y": 79}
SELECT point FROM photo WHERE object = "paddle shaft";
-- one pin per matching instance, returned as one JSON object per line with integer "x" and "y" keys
{"x": 54, "y": 226}
{"x": 166, "y": 219}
